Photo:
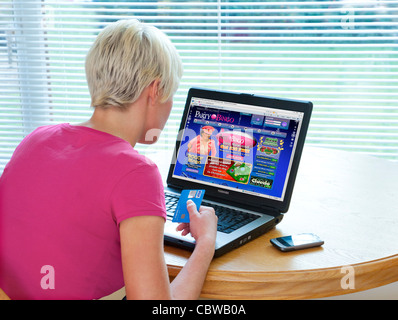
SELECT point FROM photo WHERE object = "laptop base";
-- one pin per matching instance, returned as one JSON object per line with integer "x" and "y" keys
{"x": 224, "y": 245}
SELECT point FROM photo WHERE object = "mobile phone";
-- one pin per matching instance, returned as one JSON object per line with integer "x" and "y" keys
{"x": 297, "y": 242}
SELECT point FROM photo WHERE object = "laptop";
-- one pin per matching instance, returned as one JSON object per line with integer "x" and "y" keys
{"x": 244, "y": 151}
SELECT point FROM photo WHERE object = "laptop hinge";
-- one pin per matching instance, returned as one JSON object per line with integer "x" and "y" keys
{"x": 271, "y": 211}
{"x": 174, "y": 188}
{"x": 263, "y": 209}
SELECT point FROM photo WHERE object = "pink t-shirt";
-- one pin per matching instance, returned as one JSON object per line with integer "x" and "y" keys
{"x": 62, "y": 197}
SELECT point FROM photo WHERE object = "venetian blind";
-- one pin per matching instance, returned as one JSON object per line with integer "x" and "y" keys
{"x": 341, "y": 55}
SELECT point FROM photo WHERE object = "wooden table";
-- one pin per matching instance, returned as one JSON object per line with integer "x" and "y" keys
{"x": 351, "y": 202}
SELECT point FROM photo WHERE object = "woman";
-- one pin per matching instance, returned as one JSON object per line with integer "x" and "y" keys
{"x": 78, "y": 202}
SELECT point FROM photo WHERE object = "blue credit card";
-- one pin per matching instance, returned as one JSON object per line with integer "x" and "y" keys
{"x": 182, "y": 214}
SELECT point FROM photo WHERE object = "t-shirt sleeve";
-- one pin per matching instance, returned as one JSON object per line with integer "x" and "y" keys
{"x": 139, "y": 193}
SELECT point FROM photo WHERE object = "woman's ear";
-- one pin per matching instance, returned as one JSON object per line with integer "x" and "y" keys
{"x": 154, "y": 91}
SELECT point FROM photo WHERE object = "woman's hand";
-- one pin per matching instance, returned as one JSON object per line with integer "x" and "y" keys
{"x": 202, "y": 225}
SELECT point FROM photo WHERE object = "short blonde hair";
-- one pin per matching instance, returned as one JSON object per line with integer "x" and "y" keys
{"x": 126, "y": 57}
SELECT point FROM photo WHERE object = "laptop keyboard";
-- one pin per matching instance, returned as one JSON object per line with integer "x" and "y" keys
{"x": 229, "y": 219}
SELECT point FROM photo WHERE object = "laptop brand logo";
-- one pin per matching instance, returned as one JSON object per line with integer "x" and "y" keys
{"x": 223, "y": 191}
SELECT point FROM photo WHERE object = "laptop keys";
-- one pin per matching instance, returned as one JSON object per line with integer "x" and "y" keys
{"x": 171, "y": 205}
{"x": 229, "y": 219}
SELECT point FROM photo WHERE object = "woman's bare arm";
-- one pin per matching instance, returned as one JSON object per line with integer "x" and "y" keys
{"x": 144, "y": 267}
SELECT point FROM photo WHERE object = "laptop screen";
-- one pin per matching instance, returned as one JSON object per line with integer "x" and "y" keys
{"x": 240, "y": 147}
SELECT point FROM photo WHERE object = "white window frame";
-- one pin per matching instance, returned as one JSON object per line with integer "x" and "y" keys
{"x": 355, "y": 106}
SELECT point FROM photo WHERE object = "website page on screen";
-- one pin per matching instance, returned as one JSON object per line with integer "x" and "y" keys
{"x": 238, "y": 147}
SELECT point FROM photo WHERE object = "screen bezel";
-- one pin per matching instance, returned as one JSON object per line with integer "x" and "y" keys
{"x": 216, "y": 193}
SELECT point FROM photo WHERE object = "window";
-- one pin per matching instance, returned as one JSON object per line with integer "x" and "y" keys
{"x": 341, "y": 55}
